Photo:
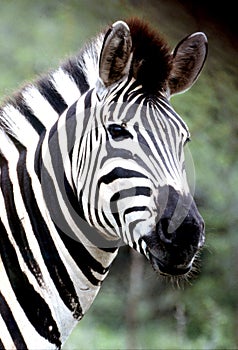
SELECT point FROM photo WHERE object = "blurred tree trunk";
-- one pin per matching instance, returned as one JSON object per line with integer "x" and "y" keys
{"x": 181, "y": 320}
{"x": 133, "y": 298}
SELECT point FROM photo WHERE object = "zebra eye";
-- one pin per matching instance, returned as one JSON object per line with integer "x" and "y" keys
{"x": 119, "y": 132}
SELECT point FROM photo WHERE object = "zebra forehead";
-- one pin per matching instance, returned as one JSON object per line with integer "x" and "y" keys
{"x": 145, "y": 111}
{"x": 152, "y": 60}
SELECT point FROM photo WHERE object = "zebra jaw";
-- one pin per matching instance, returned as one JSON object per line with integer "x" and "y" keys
{"x": 168, "y": 258}
{"x": 164, "y": 270}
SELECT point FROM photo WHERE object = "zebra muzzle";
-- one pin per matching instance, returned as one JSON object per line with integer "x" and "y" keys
{"x": 178, "y": 236}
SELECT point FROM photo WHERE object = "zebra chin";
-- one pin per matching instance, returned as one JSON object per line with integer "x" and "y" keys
{"x": 170, "y": 270}
{"x": 174, "y": 257}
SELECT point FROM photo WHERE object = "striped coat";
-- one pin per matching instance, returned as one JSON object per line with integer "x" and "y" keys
{"x": 52, "y": 268}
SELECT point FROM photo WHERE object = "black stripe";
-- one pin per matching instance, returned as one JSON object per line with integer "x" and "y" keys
{"x": 110, "y": 250}
{"x": 131, "y": 192}
{"x": 140, "y": 246}
{"x": 134, "y": 245}
{"x": 11, "y": 325}
{"x": 161, "y": 124}
{"x": 73, "y": 200}
{"x": 49, "y": 252}
{"x": 77, "y": 251}
{"x": 126, "y": 95}
{"x": 70, "y": 199}
{"x": 119, "y": 173}
{"x": 15, "y": 224}
{"x": 35, "y": 308}
{"x": 133, "y": 224}
{"x": 38, "y": 157}
{"x": 107, "y": 221}
{"x": 48, "y": 90}
{"x": 147, "y": 150}
{"x": 168, "y": 107}
{"x": 73, "y": 68}
{"x": 71, "y": 125}
{"x": 83, "y": 258}
{"x": 133, "y": 209}
{"x": 166, "y": 139}
{"x": 114, "y": 211}
{"x": 1, "y": 345}
{"x": 93, "y": 171}
{"x": 20, "y": 104}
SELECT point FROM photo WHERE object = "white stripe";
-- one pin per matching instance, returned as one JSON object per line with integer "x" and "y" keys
{"x": 7, "y": 147}
{"x": 35, "y": 341}
{"x": 90, "y": 60}
{"x": 40, "y": 106}
{"x": 6, "y": 337}
{"x": 18, "y": 126}
{"x": 48, "y": 292}
{"x": 47, "y": 160}
{"x": 65, "y": 86}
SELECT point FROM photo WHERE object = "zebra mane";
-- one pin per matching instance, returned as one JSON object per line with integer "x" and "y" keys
{"x": 37, "y": 106}
{"x": 152, "y": 61}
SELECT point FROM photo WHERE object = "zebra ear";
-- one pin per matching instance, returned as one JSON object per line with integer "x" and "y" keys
{"x": 188, "y": 59}
{"x": 115, "y": 56}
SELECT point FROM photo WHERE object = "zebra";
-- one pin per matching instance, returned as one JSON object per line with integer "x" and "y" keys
{"x": 91, "y": 158}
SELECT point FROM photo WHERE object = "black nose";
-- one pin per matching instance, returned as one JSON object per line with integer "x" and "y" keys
{"x": 162, "y": 230}
{"x": 180, "y": 223}
{"x": 190, "y": 233}
{"x": 177, "y": 245}
{"x": 178, "y": 235}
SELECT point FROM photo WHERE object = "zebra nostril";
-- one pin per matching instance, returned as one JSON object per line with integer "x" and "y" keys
{"x": 162, "y": 230}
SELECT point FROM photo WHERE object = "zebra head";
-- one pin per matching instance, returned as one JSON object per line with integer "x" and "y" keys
{"x": 128, "y": 166}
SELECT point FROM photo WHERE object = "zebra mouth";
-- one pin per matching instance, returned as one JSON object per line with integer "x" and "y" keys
{"x": 169, "y": 270}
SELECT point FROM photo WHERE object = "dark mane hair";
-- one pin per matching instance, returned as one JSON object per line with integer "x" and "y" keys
{"x": 150, "y": 66}
{"x": 152, "y": 61}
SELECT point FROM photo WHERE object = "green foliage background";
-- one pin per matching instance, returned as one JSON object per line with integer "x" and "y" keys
{"x": 135, "y": 308}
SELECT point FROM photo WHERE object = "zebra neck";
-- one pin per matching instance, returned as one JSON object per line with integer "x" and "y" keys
{"x": 60, "y": 276}
{"x": 51, "y": 260}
